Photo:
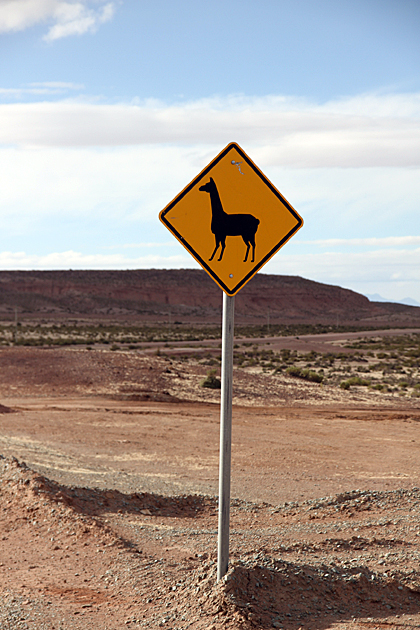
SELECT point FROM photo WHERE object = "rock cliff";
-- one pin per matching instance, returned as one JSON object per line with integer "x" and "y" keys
{"x": 189, "y": 295}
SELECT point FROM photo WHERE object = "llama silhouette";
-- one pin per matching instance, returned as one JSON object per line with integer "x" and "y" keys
{"x": 223, "y": 224}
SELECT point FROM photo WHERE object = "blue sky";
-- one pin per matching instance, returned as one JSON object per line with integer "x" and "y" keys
{"x": 109, "y": 108}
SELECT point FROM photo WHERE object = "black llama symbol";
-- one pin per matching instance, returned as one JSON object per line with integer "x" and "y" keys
{"x": 223, "y": 224}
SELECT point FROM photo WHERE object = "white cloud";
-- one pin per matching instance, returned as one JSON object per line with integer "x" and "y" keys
{"x": 280, "y": 131}
{"x": 16, "y": 15}
{"x": 58, "y": 85}
{"x": 133, "y": 183}
{"x": 389, "y": 241}
{"x": 377, "y": 104}
{"x": 77, "y": 260}
{"x": 395, "y": 273}
{"x": 44, "y": 88}
{"x": 143, "y": 245}
{"x": 68, "y": 18}
{"x": 76, "y": 18}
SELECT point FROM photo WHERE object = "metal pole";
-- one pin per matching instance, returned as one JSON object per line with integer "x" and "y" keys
{"x": 225, "y": 435}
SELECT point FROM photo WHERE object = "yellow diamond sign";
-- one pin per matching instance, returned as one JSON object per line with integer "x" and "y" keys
{"x": 231, "y": 219}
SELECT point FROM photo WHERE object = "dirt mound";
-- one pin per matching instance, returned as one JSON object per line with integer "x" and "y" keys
{"x": 82, "y": 558}
{"x": 279, "y": 593}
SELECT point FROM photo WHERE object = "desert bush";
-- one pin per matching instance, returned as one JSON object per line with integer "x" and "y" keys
{"x": 211, "y": 381}
{"x": 238, "y": 358}
{"x": 310, "y": 375}
{"x": 354, "y": 380}
{"x": 294, "y": 371}
{"x": 285, "y": 355}
{"x": 211, "y": 361}
{"x": 307, "y": 375}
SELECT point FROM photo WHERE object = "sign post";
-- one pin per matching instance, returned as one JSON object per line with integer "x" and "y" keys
{"x": 230, "y": 198}
{"x": 225, "y": 435}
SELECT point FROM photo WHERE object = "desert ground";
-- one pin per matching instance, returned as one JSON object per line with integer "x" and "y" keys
{"x": 109, "y": 476}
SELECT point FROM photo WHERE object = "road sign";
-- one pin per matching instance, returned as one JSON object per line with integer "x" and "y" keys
{"x": 231, "y": 219}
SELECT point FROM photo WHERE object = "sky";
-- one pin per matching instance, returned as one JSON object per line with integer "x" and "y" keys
{"x": 109, "y": 108}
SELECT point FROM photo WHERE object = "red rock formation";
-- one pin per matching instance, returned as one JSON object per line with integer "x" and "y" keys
{"x": 189, "y": 295}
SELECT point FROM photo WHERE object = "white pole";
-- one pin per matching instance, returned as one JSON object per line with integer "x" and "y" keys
{"x": 225, "y": 435}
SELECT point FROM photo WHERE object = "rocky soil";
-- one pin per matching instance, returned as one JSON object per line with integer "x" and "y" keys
{"x": 77, "y": 557}
{"x": 112, "y": 521}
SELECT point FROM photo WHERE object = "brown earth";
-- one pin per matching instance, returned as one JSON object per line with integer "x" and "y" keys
{"x": 112, "y": 521}
{"x": 190, "y": 295}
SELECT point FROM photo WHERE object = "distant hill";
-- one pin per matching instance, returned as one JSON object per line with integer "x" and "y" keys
{"x": 375, "y": 297}
{"x": 189, "y": 295}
